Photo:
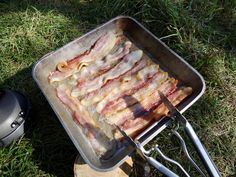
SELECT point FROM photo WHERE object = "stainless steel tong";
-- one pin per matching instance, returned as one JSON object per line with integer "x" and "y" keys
{"x": 146, "y": 155}
{"x": 180, "y": 120}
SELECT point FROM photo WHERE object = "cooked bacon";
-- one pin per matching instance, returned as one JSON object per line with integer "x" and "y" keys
{"x": 66, "y": 66}
{"x": 68, "y": 101}
{"x": 130, "y": 85}
{"x": 90, "y": 130}
{"x": 74, "y": 106}
{"x": 99, "y": 142}
{"x": 131, "y": 97}
{"x": 143, "y": 107}
{"x": 56, "y": 76}
{"x": 101, "y": 66}
{"x": 98, "y": 95}
{"x": 125, "y": 65}
{"x": 175, "y": 99}
{"x": 84, "y": 122}
{"x": 108, "y": 85}
{"x": 133, "y": 126}
{"x": 99, "y": 50}
{"x": 63, "y": 67}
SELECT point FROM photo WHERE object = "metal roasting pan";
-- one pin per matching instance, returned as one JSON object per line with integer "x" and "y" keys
{"x": 153, "y": 48}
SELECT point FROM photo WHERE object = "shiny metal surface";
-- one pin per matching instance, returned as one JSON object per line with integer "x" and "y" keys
{"x": 185, "y": 149}
{"x": 153, "y": 48}
{"x": 202, "y": 151}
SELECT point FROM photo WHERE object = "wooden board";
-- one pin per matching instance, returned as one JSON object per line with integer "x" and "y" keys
{"x": 81, "y": 169}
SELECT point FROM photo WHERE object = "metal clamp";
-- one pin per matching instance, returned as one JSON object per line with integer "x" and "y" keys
{"x": 145, "y": 154}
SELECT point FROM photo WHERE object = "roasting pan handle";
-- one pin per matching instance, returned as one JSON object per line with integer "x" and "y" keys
{"x": 164, "y": 170}
{"x": 204, "y": 155}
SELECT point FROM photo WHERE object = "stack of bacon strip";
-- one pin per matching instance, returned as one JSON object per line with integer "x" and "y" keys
{"x": 112, "y": 84}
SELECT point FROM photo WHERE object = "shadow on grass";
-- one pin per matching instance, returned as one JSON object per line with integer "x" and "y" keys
{"x": 53, "y": 150}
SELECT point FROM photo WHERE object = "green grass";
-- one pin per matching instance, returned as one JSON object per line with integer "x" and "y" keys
{"x": 203, "y": 32}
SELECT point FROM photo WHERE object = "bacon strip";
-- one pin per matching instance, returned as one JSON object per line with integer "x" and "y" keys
{"x": 99, "y": 50}
{"x": 68, "y": 101}
{"x": 143, "y": 107}
{"x": 130, "y": 86}
{"x": 57, "y": 76}
{"x": 66, "y": 66}
{"x": 126, "y": 100}
{"x": 98, "y": 95}
{"x": 125, "y": 65}
{"x": 101, "y": 66}
{"x": 99, "y": 142}
{"x": 133, "y": 126}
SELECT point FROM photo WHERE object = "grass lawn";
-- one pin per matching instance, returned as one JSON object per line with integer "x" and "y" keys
{"x": 203, "y": 32}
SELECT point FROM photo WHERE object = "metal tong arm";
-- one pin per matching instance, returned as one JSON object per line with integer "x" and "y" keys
{"x": 144, "y": 154}
{"x": 204, "y": 155}
{"x": 201, "y": 150}
{"x": 184, "y": 146}
{"x": 171, "y": 161}
{"x": 164, "y": 170}
{"x": 160, "y": 167}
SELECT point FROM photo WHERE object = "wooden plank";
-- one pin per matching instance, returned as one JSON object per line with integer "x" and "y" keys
{"x": 81, "y": 169}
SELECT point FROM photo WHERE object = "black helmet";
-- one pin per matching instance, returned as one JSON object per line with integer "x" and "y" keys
{"x": 14, "y": 109}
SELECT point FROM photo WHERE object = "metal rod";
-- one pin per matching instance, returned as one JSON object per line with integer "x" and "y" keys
{"x": 186, "y": 152}
{"x": 171, "y": 161}
{"x": 160, "y": 167}
{"x": 204, "y": 155}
